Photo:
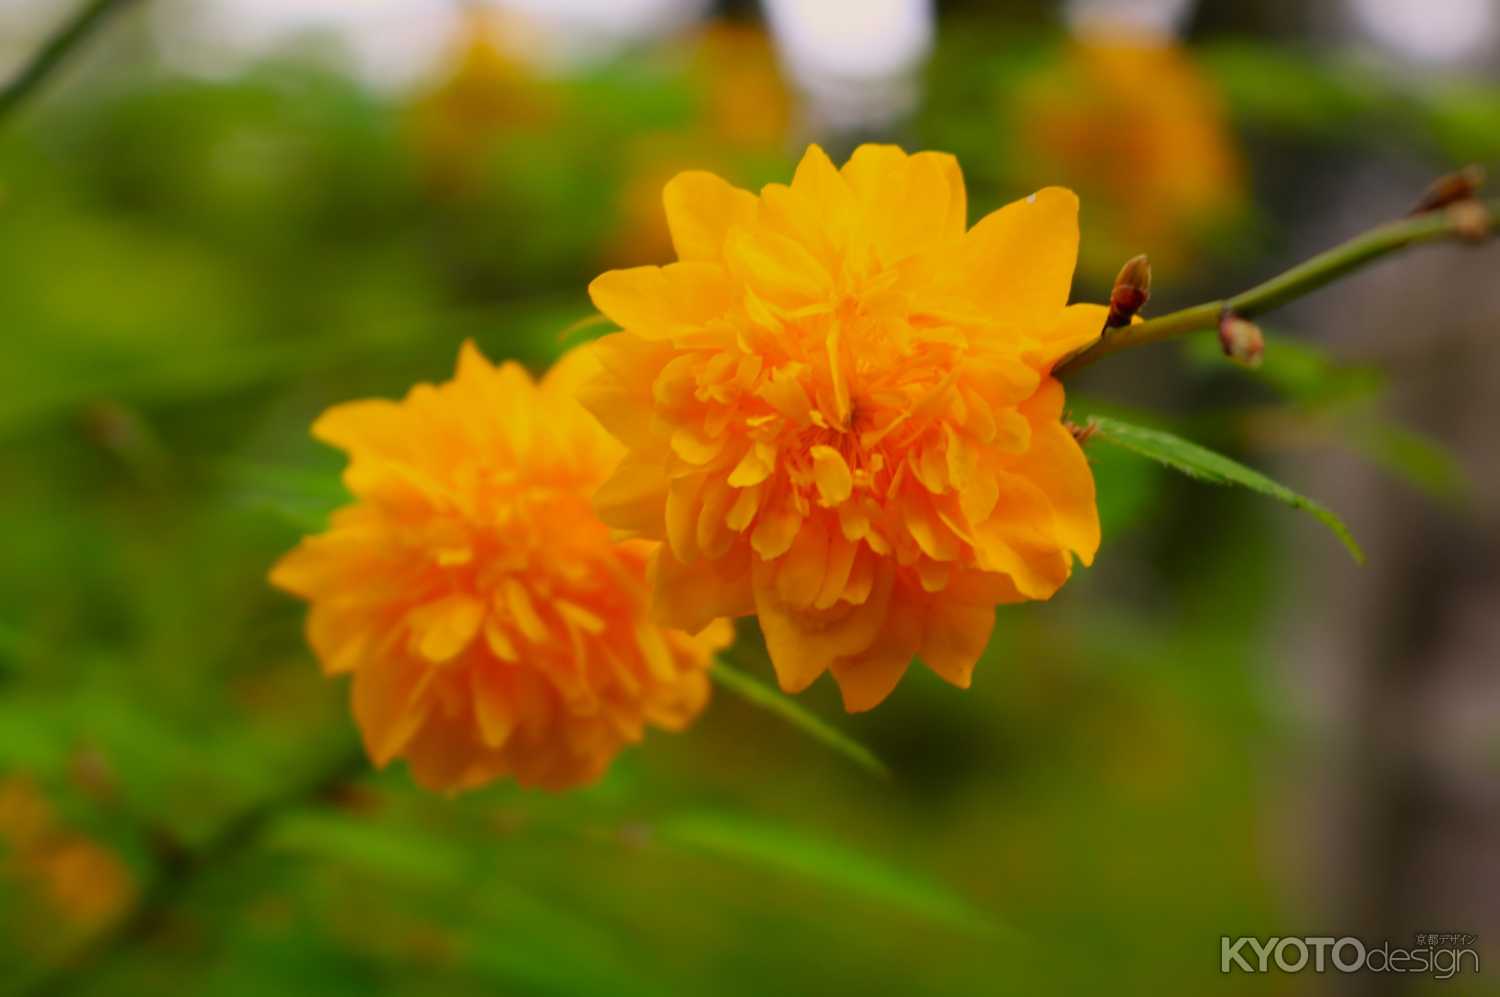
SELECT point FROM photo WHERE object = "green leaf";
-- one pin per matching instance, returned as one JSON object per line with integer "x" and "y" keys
{"x": 302, "y": 497}
{"x": 755, "y": 692}
{"x": 1297, "y": 369}
{"x": 824, "y": 862}
{"x": 393, "y": 851}
{"x": 1205, "y": 465}
{"x": 1415, "y": 458}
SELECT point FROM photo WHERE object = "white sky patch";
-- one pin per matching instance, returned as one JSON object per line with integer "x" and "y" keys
{"x": 1429, "y": 30}
{"x": 573, "y": 31}
{"x": 856, "y": 59}
{"x": 392, "y": 44}
{"x": 388, "y": 43}
{"x": 24, "y": 25}
{"x": 1141, "y": 18}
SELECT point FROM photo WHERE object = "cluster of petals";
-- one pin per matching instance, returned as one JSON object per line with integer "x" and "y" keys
{"x": 492, "y": 624}
{"x": 838, "y": 414}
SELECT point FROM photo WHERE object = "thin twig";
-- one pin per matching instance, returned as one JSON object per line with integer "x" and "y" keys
{"x": 1302, "y": 279}
{"x": 57, "y": 49}
{"x": 181, "y": 871}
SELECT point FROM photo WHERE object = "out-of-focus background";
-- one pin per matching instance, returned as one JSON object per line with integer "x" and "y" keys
{"x": 225, "y": 215}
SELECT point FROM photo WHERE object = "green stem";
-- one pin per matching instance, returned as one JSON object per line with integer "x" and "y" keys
{"x": 1302, "y": 279}
{"x": 57, "y": 49}
{"x": 754, "y": 692}
{"x": 179, "y": 872}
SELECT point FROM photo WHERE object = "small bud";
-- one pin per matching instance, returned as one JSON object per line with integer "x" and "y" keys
{"x": 1451, "y": 189}
{"x": 1081, "y": 434}
{"x": 1132, "y": 291}
{"x": 1470, "y": 220}
{"x": 1242, "y": 341}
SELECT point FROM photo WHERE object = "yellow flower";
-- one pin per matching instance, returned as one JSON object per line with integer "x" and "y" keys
{"x": 1136, "y": 127}
{"x": 747, "y": 103}
{"x": 744, "y": 112}
{"x": 492, "y": 625}
{"x": 485, "y": 94}
{"x": 80, "y": 879}
{"x": 839, "y": 415}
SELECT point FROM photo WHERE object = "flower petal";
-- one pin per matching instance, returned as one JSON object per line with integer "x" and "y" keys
{"x": 701, "y": 208}
{"x": 865, "y": 680}
{"x": 1078, "y": 326}
{"x": 831, "y": 474}
{"x": 663, "y": 302}
{"x": 1055, "y": 463}
{"x": 388, "y": 704}
{"x": 691, "y": 596}
{"x": 1018, "y": 261}
{"x": 802, "y": 643}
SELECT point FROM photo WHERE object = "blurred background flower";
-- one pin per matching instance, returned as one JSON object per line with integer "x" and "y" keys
{"x": 1143, "y": 136}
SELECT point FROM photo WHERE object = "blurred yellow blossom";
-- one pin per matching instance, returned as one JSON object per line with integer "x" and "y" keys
{"x": 839, "y": 414}
{"x": 491, "y": 624}
{"x": 1137, "y": 128}
{"x": 744, "y": 109}
{"x": 746, "y": 101}
{"x": 77, "y": 878}
{"x": 484, "y": 91}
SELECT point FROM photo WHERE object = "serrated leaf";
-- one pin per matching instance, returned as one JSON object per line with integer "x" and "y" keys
{"x": 1205, "y": 465}
{"x": 753, "y": 691}
{"x": 827, "y": 863}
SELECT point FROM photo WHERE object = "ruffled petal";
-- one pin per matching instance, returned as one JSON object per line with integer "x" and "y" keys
{"x": 1077, "y": 327}
{"x": 803, "y": 642}
{"x": 663, "y": 302}
{"x": 865, "y": 680}
{"x": 910, "y": 203}
{"x": 1055, "y": 463}
{"x": 691, "y": 596}
{"x": 701, "y": 209}
{"x": 1017, "y": 263}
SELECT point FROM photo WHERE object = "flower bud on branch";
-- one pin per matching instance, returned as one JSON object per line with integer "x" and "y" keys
{"x": 1242, "y": 341}
{"x": 1472, "y": 221}
{"x": 1131, "y": 292}
{"x": 1452, "y": 188}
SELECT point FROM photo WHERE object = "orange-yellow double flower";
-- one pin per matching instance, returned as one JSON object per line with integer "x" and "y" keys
{"x": 492, "y": 625}
{"x": 838, "y": 413}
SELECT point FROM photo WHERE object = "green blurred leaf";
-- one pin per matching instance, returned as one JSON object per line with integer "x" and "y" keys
{"x": 795, "y": 854}
{"x": 390, "y": 850}
{"x": 755, "y": 692}
{"x": 305, "y": 498}
{"x": 1297, "y": 369}
{"x": 1126, "y": 489}
{"x": 1205, "y": 465}
{"x": 1417, "y": 459}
